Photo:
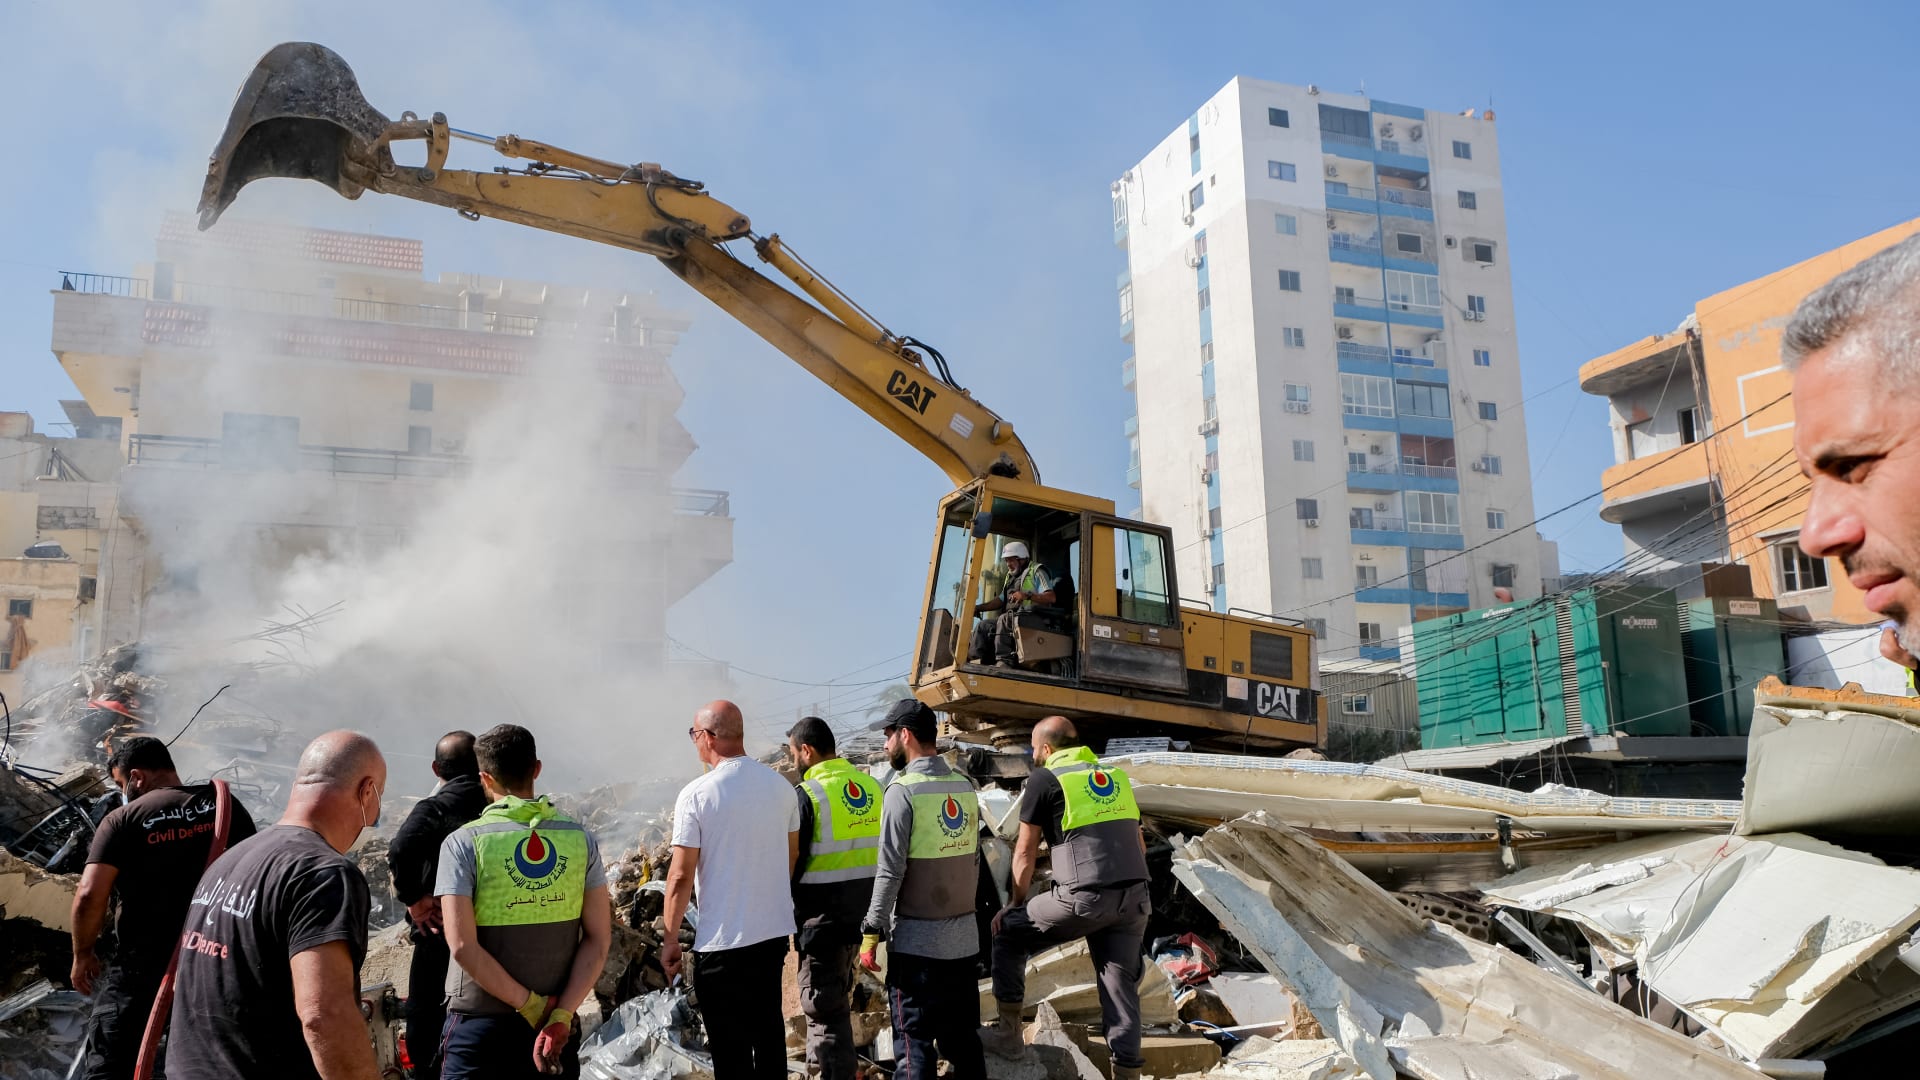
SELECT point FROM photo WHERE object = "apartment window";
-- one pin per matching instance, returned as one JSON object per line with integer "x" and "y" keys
{"x": 1422, "y": 399}
{"x": 1206, "y": 298}
{"x": 1369, "y": 633}
{"x": 1489, "y": 411}
{"x": 1219, "y": 575}
{"x": 1206, "y": 353}
{"x": 1502, "y": 574}
{"x": 1433, "y": 511}
{"x": 1366, "y": 576}
{"x": 1280, "y": 170}
{"x": 1286, "y": 224}
{"x": 1126, "y": 309}
{"x": 1209, "y": 408}
{"x": 1799, "y": 571}
{"x": 1490, "y": 463}
{"x": 1366, "y": 395}
{"x": 1463, "y": 150}
{"x": 20, "y": 609}
{"x": 1213, "y": 517}
{"x": 1343, "y": 294}
{"x": 1417, "y": 569}
{"x": 419, "y": 440}
{"x": 1213, "y": 462}
{"x": 1468, "y": 201}
{"x": 1197, "y": 196}
{"x": 1299, "y": 392}
{"x": 1693, "y": 426}
{"x": 1200, "y": 246}
{"x": 1303, "y": 449}
{"x": 1306, "y": 508}
{"x": 1193, "y": 144}
{"x": 1480, "y": 251}
{"x": 1359, "y": 517}
{"x": 420, "y": 397}
{"x": 1412, "y": 292}
{"x": 1496, "y": 519}
{"x": 1319, "y": 628}
{"x": 1289, "y": 281}
{"x": 1408, "y": 242}
{"x": 1277, "y": 118}
{"x": 1356, "y": 704}
{"x": 1310, "y": 569}
{"x": 1477, "y": 305}
{"x": 1482, "y": 358}
{"x": 1356, "y": 461}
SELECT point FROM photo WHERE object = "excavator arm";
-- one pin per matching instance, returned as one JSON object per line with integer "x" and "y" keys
{"x": 301, "y": 115}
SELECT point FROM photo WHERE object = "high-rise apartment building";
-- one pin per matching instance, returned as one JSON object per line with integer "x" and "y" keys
{"x": 1324, "y": 364}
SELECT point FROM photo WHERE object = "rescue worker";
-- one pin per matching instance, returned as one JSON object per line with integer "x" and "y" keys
{"x": 524, "y": 905}
{"x": 833, "y": 884}
{"x": 1087, "y": 815}
{"x": 1027, "y": 585}
{"x": 923, "y": 897}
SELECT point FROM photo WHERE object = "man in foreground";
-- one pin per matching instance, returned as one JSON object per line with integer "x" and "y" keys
{"x": 923, "y": 898}
{"x": 413, "y": 859}
{"x": 839, "y": 854}
{"x": 736, "y": 837}
{"x": 147, "y": 856}
{"x": 1854, "y": 349}
{"x": 1088, "y": 817}
{"x": 524, "y": 905}
{"x": 269, "y": 977}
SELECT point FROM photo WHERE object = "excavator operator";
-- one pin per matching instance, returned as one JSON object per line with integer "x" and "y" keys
{"x": 1027, "y": 586}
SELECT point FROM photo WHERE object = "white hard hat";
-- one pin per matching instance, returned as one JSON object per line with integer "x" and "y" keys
{"x": 1015, "y": 550}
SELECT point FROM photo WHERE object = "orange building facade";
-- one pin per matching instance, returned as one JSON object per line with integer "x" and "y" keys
{"x": 1702, "y": 422}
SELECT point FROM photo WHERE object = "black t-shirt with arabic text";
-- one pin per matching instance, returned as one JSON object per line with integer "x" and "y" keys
{"x": 278, "y": 895}
{"x": 157, "y": 845}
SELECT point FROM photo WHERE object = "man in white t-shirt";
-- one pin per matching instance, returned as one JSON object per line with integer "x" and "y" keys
{"x": 736, "y": 836}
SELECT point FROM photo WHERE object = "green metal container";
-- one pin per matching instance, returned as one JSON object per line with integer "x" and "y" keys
{"x": 1604, "y": 660}
{"x": 1732, "y": 643}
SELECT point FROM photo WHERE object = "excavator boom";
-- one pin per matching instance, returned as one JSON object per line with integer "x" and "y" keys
{"x": 301, "y": 115}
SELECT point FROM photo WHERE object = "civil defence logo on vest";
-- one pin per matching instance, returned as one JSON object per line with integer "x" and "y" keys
{"x": 953, "y": 818}
{"x": 858, "y": 800}
{"x": 1101, "y": 786}
{"x": 536, "y": 862}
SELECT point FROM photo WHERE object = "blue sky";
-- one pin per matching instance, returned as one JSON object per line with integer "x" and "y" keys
{"x": 949, "y": 167}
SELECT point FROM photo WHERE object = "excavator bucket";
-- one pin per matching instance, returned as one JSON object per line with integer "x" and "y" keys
{"x": 300, "y": 115}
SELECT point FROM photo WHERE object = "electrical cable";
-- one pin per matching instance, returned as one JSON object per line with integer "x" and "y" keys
{"x": 197, "y": 712}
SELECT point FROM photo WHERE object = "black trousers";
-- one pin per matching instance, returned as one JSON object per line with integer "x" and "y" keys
{"x": 934, "y": 1003}
{"x": 426, "y": 1003}
{"x": 826, "y": 997}
{"x": 739, "y": 994}
{"x": 122, "y": 999}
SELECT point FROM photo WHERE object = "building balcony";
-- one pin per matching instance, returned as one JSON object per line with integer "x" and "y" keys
{"x": 1666, "y": 482}
{"x": 1126, "y": 329}
{"x": 1410, "y": 597}
{"x": 1380, "y": 652}
{"x": 1428, "y": 364}
{"x": 1132, "y": 426}
{"x": 1127, "y": 371}
{"x": 1395, "y": 312}
{"x": 1398, "y": 196}
{"x": 1391, "y": 477}
{"x": 1355, "y": 199}
{"x": 1651, "y": 360}
{"x": 1133, "y": 477}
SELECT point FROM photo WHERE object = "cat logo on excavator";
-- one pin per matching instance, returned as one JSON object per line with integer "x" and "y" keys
{"x": 909, "y": 392}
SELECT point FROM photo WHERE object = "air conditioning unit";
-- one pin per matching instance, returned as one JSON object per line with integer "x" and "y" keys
{"x": 1206, "y": 477}
{"x": 1312, "y": 89}
{"x": 1209, "y": 427}
{"x": 1313, "y": 523}
{"x": 1379, "y": 504}
{"x": 1298, "y": 406}
{"x": 1332, "y": 225}
{"x": 1344, "y": 333}
{"x": 1386, "y": 130}
{"x": 1417, "y": 132}
{"x": 1474, "y": 316}
{"x": 1479, "y": 466}
{"x": 1375, "y": 449}
{"x": 1333, "y": 170}
{"x": 1186, "y": 219}
{"x": 1206, "y": 534}
{"x": 1452, "y": 243}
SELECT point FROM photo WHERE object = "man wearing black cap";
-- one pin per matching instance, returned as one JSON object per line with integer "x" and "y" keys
{"x": 923, "y": 897}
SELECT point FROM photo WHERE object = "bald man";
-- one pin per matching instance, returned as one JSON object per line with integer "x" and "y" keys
{"x": 736, "y": 837}
{"x": 269, "y": 977}
{"x": 413, "y": 859}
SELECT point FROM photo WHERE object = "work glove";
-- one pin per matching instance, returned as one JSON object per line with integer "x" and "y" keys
{"x": 869, "y": 946}
{"x": 536, "y": 1009}
{"x": 552, "y": 1039}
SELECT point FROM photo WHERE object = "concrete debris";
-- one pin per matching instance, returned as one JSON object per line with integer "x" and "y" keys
{"x": 41, "y": 1028}
{"x": 1400, "y": 993}
{"x": 1260, "y": 1058}
{"x": 30, "y": 893}
{"x": 1833, "y": 763}
{"x": 653, "y": 1037}
{"x": 1063, "y": 978}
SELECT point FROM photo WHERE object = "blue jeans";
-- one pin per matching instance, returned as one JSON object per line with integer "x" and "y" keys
{"x": 496, "y": 1048}
{"x": 934, "y": 1001}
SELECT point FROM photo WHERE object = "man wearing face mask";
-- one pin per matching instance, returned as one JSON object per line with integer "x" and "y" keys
{"x": 269, "y": 979}
{"x": 147, "y": 856}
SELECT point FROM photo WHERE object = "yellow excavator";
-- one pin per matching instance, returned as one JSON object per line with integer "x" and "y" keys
{"x": 1118, "y": 646}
